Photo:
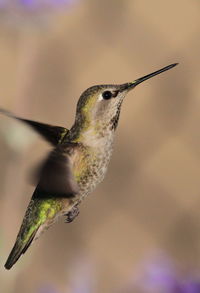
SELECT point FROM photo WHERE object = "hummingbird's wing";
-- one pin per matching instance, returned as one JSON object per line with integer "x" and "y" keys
{"x": 56, "y": 178}
{"x": 51, "y": 133}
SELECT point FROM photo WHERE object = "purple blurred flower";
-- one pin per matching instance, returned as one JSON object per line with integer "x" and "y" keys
{"x": 190, "y": 286}
{"x": 162, "y": 276}
{"x": 34, "y": 5}
{"x": 30, "y": 11}
{"x": 159, "y": 275}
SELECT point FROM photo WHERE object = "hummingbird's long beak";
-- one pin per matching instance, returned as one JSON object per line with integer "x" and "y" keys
{"x": 131, "y": 85}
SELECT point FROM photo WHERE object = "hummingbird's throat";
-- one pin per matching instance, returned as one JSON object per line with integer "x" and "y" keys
{"x": 99, "y": 132}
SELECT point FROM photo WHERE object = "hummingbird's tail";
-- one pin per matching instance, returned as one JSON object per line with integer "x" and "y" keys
{"x": 19, "y": 248}
{"x": 30, "y": 225}
{"x": 40, "y": 214}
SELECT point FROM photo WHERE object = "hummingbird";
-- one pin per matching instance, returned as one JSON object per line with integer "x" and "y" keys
{"x": 77, "y": 162}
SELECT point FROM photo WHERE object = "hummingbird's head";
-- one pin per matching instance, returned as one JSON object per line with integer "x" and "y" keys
{"x": 99, "y": 106}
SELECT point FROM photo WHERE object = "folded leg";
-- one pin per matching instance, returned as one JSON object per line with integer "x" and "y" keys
{"x": 71, "y": 215}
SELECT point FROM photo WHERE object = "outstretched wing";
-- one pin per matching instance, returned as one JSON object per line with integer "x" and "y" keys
{"x": 56, "y": 177}
{"x": 52, "y": 134}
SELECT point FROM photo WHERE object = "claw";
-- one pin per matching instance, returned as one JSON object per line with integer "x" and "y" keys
{"x": 71, "y": 215}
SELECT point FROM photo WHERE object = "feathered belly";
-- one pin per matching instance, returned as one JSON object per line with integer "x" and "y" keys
{"x": 94, "y": 167}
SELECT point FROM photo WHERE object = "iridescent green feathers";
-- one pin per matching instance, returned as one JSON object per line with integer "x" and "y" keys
{"x": 19, "y": 248}
{"x": 38, "y": 213}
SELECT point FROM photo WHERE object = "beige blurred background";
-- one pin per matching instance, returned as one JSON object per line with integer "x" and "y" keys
{"x": 150, "y": 199}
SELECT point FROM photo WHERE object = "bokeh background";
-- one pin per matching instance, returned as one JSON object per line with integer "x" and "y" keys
{"x": 140, "y": 230}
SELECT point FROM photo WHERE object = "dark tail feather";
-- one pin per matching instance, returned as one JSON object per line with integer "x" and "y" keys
{"x": 19, "y": 248}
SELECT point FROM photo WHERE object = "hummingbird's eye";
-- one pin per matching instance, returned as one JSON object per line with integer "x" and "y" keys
{"x": 107, "y": 95}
